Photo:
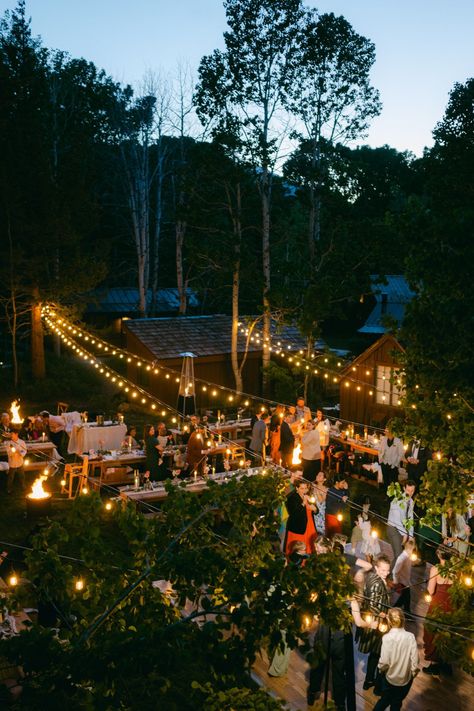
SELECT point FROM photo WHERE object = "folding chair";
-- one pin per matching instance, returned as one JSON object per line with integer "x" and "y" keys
{"x": 79, "y": 472}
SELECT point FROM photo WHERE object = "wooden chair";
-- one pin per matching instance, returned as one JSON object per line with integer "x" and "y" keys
{"x": 62, "y": 408}
{"x": 79, "y": 472}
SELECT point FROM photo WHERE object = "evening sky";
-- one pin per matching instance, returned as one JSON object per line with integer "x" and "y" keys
{"x": 423, "y": 47}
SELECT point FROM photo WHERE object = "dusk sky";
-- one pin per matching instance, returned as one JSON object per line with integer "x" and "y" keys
{"x": 423, "y": 47}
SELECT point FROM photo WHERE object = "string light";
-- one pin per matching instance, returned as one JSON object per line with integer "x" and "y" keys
{"x": 79, "y": 584}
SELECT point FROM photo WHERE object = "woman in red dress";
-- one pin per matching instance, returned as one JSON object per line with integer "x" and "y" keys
{"x": 300, "y": 524}
{"x": 438, "y": 588}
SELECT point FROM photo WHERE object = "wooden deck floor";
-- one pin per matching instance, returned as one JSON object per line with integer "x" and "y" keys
{"x": 427, "y": 693}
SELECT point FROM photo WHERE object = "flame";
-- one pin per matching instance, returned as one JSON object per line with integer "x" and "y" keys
{"x": 296, "y": 455}
{"x": 15, "y": 410}
{"x": 37, "y": 491}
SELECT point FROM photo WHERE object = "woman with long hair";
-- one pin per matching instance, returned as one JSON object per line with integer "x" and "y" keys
{"x": 300, "y": 524}
{"x": 438, "y": 590}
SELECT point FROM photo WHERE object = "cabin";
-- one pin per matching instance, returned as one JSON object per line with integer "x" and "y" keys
{"x": 208, "y": 338}
{"x": 391, "y": 299}
{"x": 116, "y": 305}
{"x": 369, "y": 391}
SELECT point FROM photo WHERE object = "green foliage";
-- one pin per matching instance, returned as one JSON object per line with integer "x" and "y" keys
{"x": 232, "y": 594}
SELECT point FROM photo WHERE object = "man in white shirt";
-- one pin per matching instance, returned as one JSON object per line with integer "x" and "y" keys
{"x": 391, "y": 453}
{"x": 399, "y": 662}
{"x": 323, "y": 426}
{"x": 400, "y": 519}
{"x": 402, "y": 576}
{"x": 16, "y": 450}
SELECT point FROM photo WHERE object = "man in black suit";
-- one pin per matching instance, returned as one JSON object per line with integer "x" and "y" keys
{"x": 287, "y": 442}
{"x": 417, "y": 457}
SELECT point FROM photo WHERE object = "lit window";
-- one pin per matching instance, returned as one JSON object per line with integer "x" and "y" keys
{"x": 388, "y": 392}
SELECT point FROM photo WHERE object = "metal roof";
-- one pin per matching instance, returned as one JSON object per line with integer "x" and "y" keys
{"x": 391, "y": 299}
{"x": 125, "y": 300}
{"x": 202, "y": 335}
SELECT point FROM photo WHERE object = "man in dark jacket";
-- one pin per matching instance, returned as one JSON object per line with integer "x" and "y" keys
{"x": 287, "y": 442}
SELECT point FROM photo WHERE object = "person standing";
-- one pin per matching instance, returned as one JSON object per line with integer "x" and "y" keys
{"x": 310, "y": 452}
{"x": 455, "y": 532}
{"x": 287, "y": 442}
{"x": 274, "y": 433}
{"x": 438, "y": 589}
{"x": 56, "y": 428}
{"x": 391, "y": 453}
{"x": 375, "y": 603}
{"x": 400, "y": 519}
{"x": 258, "y": 440}
{"x": 16, "y": 451}
{"x": 398, "y": 663}
{"x": 323, "y": 427}
{"x": 336, "y": 498}
{"x": 195, "y": 456}
{"x": 302, "y": 413}
{"x": 320, "y": 493}
{"x": 300, "y": 524}
{"x": 417, "y": 457}
{"x": 402, "y": 576}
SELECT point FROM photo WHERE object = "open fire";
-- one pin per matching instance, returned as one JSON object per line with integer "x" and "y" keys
{"x": 37, "y": 491}
{"x": 38, "y": 501}
{"x": 16, "y": 418}
{"x": 296, "y": 455}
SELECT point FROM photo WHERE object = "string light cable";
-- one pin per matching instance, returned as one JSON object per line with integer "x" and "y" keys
{"x": 152, "y": 368}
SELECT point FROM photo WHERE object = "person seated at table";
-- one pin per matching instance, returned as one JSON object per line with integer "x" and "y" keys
{"x": 153, "y": 450}
{"x": 179, "y": 461}
{"x": 194, "y": 454}
{"x": 5, "y": 429}
{"x": 38, "y": 428}
{"x": 26, "y": 430}
{"x": 165, "y": 438}
{"x": 130, "y": 439}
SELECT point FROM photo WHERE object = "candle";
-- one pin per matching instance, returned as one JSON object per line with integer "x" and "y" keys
{"x": 43, "y": 436}
{"x": 195, "y": 476}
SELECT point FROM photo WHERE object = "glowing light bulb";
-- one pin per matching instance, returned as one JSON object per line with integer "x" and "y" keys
{"x": 13, "y": 580}
{"x": 108, "y": 506}
{"x": 85, "y": 490}
{"x": 427, "y": 597}
{"x": 79, "y": 584}
{"x": 339, "y": 517}
{"x": 368, "y": 618}
{"x": 374, "y": 533}
{"x": 468, "y": 581}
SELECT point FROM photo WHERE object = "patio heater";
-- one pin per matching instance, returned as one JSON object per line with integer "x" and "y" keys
{"x": 186, "y": 393}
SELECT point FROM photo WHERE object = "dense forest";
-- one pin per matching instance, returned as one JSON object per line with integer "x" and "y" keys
{"x": 211, "y": 182}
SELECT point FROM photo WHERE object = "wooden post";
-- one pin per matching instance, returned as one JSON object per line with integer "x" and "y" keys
{"x": 37, "y": 343}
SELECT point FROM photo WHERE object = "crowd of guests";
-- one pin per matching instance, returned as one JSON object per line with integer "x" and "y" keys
{"x": 383, "y": 584}
{"x": 318, "y": 504}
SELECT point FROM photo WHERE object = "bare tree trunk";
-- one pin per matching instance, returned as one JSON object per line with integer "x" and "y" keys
{"x": 180, "y": 233}
{"x": 266, "y": 325}
{"x": 237, "y": 369}
{"x": 157, "y": 234}
{"x": 37, "y": 341}
{"x": 309, "y": 349}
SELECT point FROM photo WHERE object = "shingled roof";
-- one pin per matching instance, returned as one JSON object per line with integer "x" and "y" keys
{"x": 202, "y": 335}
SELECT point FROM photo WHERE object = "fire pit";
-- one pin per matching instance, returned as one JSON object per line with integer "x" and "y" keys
{"x": 38, "y": 502}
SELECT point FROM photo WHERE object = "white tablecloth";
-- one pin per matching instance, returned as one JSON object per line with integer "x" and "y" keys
{"x": 86, "y": 437}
